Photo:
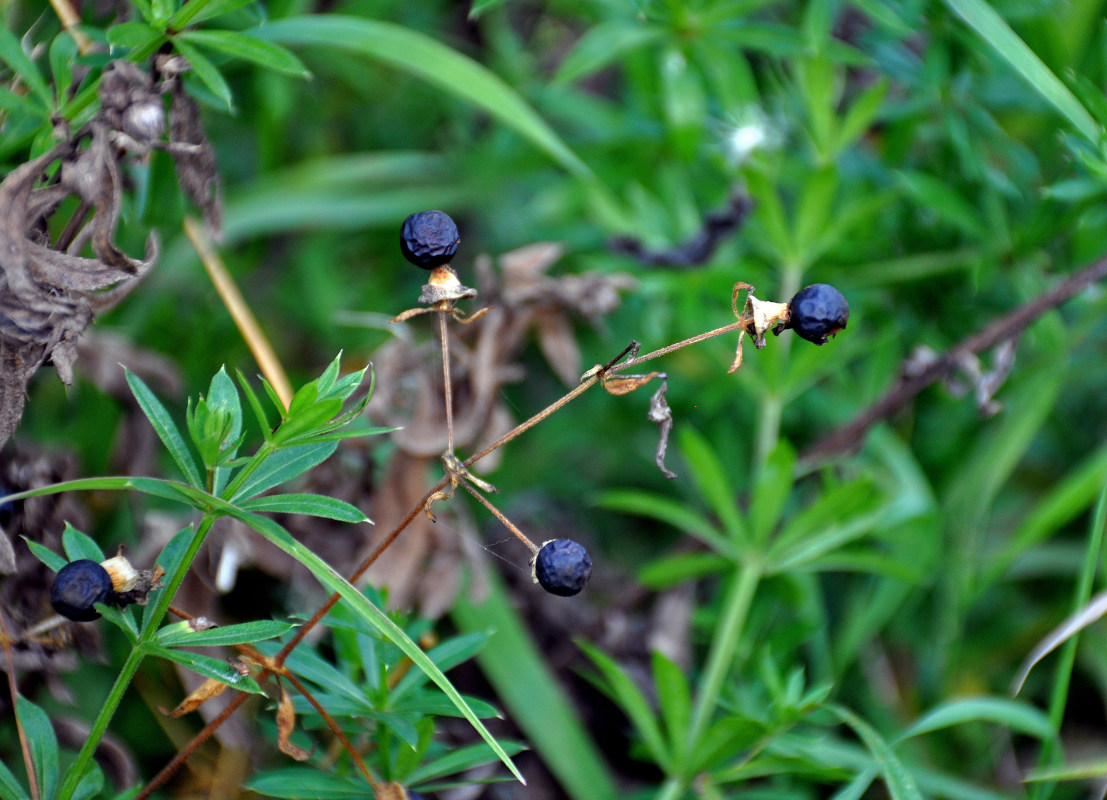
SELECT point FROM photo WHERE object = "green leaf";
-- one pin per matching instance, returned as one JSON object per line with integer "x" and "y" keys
{"x": 207, "y": 666}
{"x": 91, "y": 784}
{"x": 182, "y": 634}
{"x": 624, "y": 692}
{"x": 675, "y": 701}
{"x": 46, "y": 555}
{"x": 678, "y": 515}
{"x": 223, "y": 397}
{"x": 604, "y": 44}
{"x": 662, "y": 573}
{"x": 945, "y": 202}
{"x": 532, "y": 694}
{"x": 250, "y": 48}
{"x": 434, "y": 62}
{"x": 447, "y": 655}
{"x": 712, "y": 483}
{"x": 1013, "y": 714}
{"x": 901, "y": 785}
{"x": 42, "y": 742}
{"x": 10, "y": 788}
{"x": 63, "y": 53}
{"x": 134, "y": 35}
{"x": 307, "y": 783}
{"x": 771, "y": 491}
{"x": 364, "y": 609}
{"x": 316, "y": 505}
{"x": 992, "y": 28}
{"x": 459, "y": 759}
{"x": 78, "y": 545}
{"x": 206, "y": 71}
{"x": 195, "y": 11}
{"x": 284, "y": 465}
{"x": 11, "y": 53}
{"x": 165, "y": 428}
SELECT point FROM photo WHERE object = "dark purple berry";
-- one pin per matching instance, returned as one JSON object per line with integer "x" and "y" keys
{"x": 562, "y": 567}
{"x": 429, "y": 239}
{"x": 77, "y": 586}
{"x": 818, "y": 311}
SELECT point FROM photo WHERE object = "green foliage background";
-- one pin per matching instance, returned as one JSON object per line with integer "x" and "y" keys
{"x": 940, "y": 163}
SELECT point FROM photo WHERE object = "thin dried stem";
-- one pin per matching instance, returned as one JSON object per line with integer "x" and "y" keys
{"x": 240, "y": 312}
{"x": 522, "y": 537}
{"x": 13, "y": 688}
{"x": 349, "y": 747}
{"x": 69, "y": 19}
{"x": 447, "y": 386}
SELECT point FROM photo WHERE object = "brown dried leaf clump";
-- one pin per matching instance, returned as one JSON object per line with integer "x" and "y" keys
{"x": 49, "y": 291}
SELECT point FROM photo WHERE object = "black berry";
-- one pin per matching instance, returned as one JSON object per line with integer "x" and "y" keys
{"x": 818, "y": 311}
{"x": 429, "y": 239}
{"x": 562, "y": 567}
{"x": 77, "y": 586}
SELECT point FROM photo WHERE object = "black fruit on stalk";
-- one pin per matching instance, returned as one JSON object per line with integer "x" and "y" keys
{"x": 429, "y": 239}
{"x": 562, "y": 567}
{"x": 817, "y": 311}
{"x": 77, "y": 586}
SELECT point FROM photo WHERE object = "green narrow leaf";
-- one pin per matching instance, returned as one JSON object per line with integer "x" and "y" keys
{"x": 165, "y": 428}
{"x": 206, "y": 71}
{"x": 284, "y": 465}
{"x": 134, "y": 35}
{"x": 250, "y": 48}
{"x": 678, "y": 515}
{"x": 316, "y": 505}
{"x": 10, "y": 788}
{"x": 712, "y": 483}
{"x": 623, "y": 690}
{"x": 63, "y": 53}
{"x": 367, "y": 611}
{"x": 223, "y": 396}
{"x": 46, "y": 555}
{"x": 533, "y": 695}
{"x": 604, "y": 44}
{"x": 1017, "y": 716}
{"x": 771, "y": 492}
{"x": 78, "y": 545}
{"x": 675, "y": 701}
{"x": 901, "y": 785}
{"x": 434, "y": 62}
{"x": 195, "y": 11}
{"x": 207, "y": 666}
{"x": 458, "y": 760}
{"x": 992, "y": 28}
{"x": 182, "y": 634}
{"x": 42, "y": 742}
{"x": 11, "y": 53}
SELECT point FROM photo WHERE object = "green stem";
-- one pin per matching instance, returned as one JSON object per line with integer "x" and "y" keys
{"x": 672, "y": 789}
{"x": 1063, "y": 676}
{"x": 720, "y": 658}
{"x": 151, "y": 621}
{"x": 772, "y": 403}
{"x": 100, "y": 725}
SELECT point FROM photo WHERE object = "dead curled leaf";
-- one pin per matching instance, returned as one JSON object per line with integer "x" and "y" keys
{"x": 49, "y": 292}
{"x": 205, "y": 691}
{"x": 286, "y": 723}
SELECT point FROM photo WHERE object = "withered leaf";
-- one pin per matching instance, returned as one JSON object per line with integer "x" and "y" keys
{"x": 196, "y": 698}
{"x": 619, "y": 385}
{"x": 663, "y": 416}
{"x": 286, "y": 723}
{"x": 194, "y": 158}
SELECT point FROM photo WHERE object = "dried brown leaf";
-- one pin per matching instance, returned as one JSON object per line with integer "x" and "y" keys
{"x": 619, "y": 385}
{"x": 559, "y": 346}
{"x": 286, "y": 723}
{"x": 196, "y": 698}
{"x": 194, "y": 158}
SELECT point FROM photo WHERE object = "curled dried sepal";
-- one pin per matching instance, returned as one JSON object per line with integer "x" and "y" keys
{"x": 286, "y": 723}
{"x": 762, "y": 316}
{"x": 619, "y": 385}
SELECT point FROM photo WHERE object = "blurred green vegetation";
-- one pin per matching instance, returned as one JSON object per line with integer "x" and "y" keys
{"x": 940, "y": 163}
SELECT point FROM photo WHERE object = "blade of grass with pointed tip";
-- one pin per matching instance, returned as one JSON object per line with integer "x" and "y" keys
{"x": 994, "y": 30}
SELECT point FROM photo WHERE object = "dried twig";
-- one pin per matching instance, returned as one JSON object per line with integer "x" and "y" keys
{"x": 852, "y": 434}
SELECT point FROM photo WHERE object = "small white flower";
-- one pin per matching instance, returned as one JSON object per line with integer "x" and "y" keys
{"x": 747, "y": 132}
